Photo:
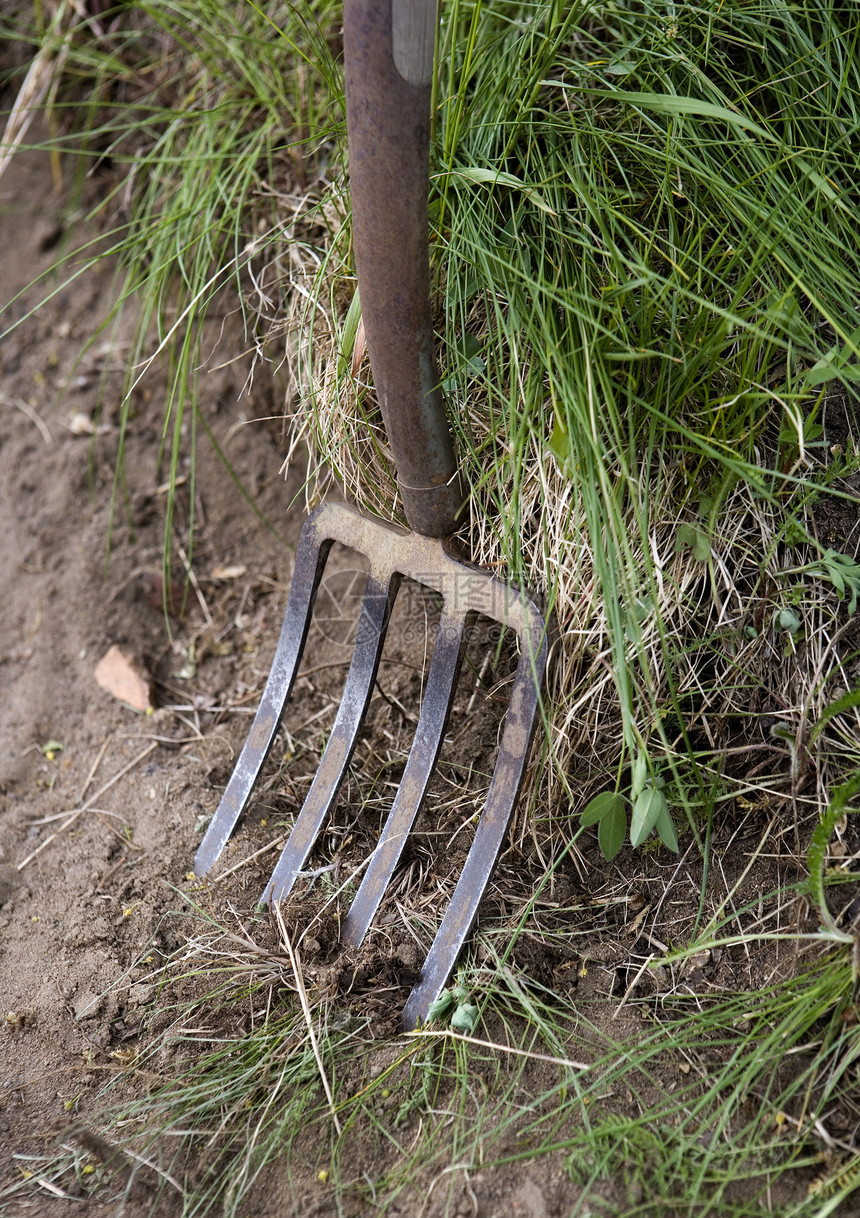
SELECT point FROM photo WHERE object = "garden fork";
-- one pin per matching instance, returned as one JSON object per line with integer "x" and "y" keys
{"x": 388, "y": 53}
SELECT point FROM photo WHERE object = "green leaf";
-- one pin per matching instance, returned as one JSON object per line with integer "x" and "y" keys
{"x": 837, "y": 580}
{"x": 835, "y": 363}
{"x": 465, "y": 1017}
{"x": 440, "y": 1006}
{"x": 643, "y": 607}
{"x": 469, "y": 361}
{"x": 665, "y": 828}
{"x": 638, "y": 775}
{"x": 604, "y": 804}
{"x": 470, "y": 351}
{"x": 559, "y": 443}
{"x": 620, "y": 67}
{"x": 646, "y": 812}
{"x": 696, "y": 538}
{"x": 612, "y": 830}
{"x": 671, "y": 103}
{"x": 348, "y": 333}
{"x": 499, "y": 177}
{"x": 831, "y": 367}
{"x": 786, "y": 619}
{"x": 843, "y": 571}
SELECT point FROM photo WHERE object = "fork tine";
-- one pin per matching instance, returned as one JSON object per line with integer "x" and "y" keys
{"x": 311, "y": 555}
{"x": 441, "y": 680}
{"x": 379, "y": 597}
{"x": 492, "y": 826}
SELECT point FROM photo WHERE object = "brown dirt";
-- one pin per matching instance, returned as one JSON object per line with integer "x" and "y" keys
{"x": 90, "y": 921}
{"x": 76, "y": 919}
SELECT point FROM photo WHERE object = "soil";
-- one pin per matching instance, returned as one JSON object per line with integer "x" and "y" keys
{"x": 102, "y": 806}
{"x": 77, "y": 916}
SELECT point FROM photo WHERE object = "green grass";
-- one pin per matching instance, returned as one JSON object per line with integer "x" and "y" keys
{"x": 643, "y": 236}
{"x": 717, "y": 1097}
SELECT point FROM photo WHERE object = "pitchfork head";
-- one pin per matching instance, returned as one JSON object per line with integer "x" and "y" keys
{"x": 465, "y": 591}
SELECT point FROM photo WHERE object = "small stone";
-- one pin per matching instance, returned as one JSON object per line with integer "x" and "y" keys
{"x": 529, "y": 1200}
{"x": 407, "y": 954}
{"x": 86, "y": 1005}
{"x": 80, "y": 424}
{"x": 124, "y": 678}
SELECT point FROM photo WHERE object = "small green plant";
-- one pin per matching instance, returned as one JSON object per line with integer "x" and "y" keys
{"x": 837, "y": 363}
{"x": 786, "y": 619}
{"x": 693, "y": 537}
{"x": 650, "y": 813}
{"x": 838, "y": 569}
{"x": 694, "y": 534}
{"x": 836, "y": 810}
{"x": 453, "y": 1004}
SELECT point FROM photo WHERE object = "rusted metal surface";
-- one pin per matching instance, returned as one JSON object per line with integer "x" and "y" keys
{"x": 310, "y": 561}
{"x": 435, "y": 708}
{"x": 388, "y": 122}
{"x": 379, "y": 594}
{"x": 466, "y": 591}
{"x": 508, "y": 775}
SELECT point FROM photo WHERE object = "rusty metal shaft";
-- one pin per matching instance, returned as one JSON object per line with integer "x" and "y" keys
{"x": 388, "y": 121}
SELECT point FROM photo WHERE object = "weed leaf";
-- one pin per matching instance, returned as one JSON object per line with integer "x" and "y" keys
{"x": 559, "y": 443}
{"x": 612, "y": 828}
{"x": 665, "y": 828}
{"x": 696, "y": 538}
{"x": 499, "y": 177}
{"x": 440, "y": 1006}
{"x": 786, "y": 619}
{"x": 465, "y": 1017}
{"x": 836, "y": 364}
{"x": 606, "y": 803}
{"x": 649, "y": 806}
{"x": 638, "y": 775}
